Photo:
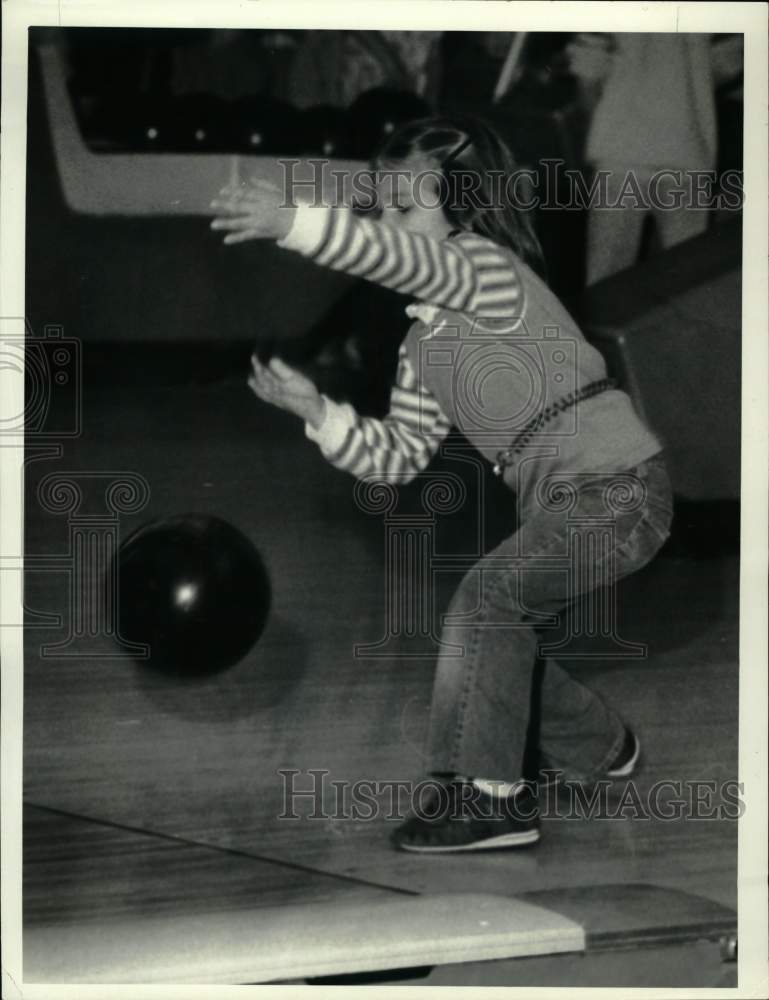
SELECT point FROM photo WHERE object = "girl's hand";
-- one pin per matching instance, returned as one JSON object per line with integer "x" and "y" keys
{"x": 281, "y": 385}
{"x": 255, "y": 210}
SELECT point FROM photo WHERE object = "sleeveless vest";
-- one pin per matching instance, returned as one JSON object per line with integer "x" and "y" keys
{"x": 529, "y": 392}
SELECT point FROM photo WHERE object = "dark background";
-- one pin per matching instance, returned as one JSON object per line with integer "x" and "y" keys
{"x": 119, "y": 283}
{"x": 120, "y": 278}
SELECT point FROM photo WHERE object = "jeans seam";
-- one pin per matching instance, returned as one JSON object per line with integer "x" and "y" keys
{"x": 662, "y": 534}
{"x": 599, "y": 771}
{"x": 645, "y": 521}
{"x": 648, "y": 516}
{"x": 468, "y": 683}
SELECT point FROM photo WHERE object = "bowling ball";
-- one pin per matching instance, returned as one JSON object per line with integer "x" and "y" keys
{"x": 194, "y": 589}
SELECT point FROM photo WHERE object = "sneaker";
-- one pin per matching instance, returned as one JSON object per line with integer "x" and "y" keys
{"x": 622, "y": 767}
{"x": 457, "y": 816}
{"x": 626, "y": 760}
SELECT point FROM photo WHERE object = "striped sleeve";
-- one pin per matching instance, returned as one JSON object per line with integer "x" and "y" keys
{"x": 396, "y": 448}
{"x": 469, "y": 274}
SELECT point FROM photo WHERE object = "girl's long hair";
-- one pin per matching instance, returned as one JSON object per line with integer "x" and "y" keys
{"x": 471, "y": 157}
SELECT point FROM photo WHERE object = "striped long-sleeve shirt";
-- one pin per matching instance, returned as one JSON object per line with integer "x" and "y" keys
{"x": 396, "y": 448}
{"x": 467, "y": 274}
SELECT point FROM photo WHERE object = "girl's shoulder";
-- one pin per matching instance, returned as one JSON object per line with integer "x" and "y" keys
{"x": 484, "y": 248}
{"x": 469, "y": 238}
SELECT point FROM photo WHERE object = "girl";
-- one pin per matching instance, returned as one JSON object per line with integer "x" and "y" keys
{"x": 494, "y": 354}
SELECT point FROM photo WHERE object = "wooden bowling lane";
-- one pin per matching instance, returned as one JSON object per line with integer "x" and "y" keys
{"x": 79, "y": 870}
{"x": 107, "y": 903}
{"x": 683, "y": 703}
{"x": 105, "y": 738}
{"x": 104, "y": 903}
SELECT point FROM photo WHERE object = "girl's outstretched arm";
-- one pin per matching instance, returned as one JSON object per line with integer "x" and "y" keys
{"x": 468, "y": 274}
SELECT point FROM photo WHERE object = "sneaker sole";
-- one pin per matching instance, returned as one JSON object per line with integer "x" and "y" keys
{"x": 504, "y": 840}
{"x": 627, "y": 769}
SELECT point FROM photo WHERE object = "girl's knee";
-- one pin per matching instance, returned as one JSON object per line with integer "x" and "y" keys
{"x": 494, "y": 593}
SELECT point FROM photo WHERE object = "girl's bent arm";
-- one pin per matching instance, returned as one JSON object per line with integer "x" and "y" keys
{"x": 396, "y": 448}
{"x": 469, "y": 273}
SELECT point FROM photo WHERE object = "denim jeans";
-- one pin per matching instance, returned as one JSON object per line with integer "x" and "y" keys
{"x": 581, "y": 534}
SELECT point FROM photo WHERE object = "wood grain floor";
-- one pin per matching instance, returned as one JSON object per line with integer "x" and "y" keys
{"x": 108, "y": 740}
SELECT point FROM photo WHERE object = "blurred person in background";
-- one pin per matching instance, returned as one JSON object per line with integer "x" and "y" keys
{"x": 335, "y": 67}
{"x": 653, "y": 108}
